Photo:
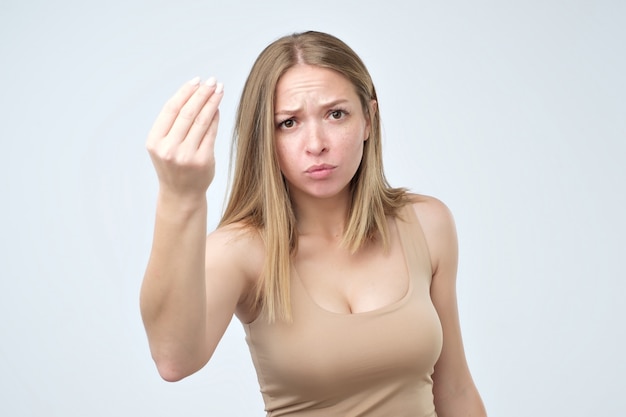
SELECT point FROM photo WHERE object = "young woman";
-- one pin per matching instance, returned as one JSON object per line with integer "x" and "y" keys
{"x": 345, "y": 286}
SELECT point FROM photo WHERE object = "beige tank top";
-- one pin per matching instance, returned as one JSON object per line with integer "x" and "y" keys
{"x": 376, "y": 363}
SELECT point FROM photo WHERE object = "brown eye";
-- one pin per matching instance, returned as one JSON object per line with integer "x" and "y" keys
{"x": 289, "y": 123}
{"x": 337, "y": 114}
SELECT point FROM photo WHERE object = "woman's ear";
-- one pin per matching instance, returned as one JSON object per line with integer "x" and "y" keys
{"x": 373, "y": 107}
{"x": 371, "y": 112}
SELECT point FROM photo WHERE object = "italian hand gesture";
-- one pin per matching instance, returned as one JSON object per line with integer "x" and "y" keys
{"x": 181, "y": 141}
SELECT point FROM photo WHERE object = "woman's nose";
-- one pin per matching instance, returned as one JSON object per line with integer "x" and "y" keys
{"x": 316, "y": 140}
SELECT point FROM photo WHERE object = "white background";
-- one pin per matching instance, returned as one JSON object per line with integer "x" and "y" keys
{"x": 510, "y": 112}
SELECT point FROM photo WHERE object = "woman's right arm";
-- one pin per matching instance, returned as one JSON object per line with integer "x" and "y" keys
{"x": 182, "y": 318}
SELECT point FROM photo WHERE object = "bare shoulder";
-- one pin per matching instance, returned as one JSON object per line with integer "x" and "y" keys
{"x": 236, "y": 236}
{"x": 234, "y": 261}
{"x": 236, "y": 246}
{"x": 431, "y": 211}
{"x": 438, "y": 225}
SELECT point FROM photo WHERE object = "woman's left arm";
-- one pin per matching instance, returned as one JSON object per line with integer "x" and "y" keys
{"x": 454, "y": 389}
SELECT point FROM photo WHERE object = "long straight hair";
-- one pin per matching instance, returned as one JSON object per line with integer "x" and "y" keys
{"x": 259, "y": 196}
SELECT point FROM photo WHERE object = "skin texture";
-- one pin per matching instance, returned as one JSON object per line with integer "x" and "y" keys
{"x": 317, "y": 111}
{"x": 194, "y": 284}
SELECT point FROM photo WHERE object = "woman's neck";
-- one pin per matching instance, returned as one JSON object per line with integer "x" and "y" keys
{"x": 325, "y": 217}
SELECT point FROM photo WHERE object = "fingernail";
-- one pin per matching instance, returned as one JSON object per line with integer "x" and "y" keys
{"x": 211, "y": 81}
{"x": 194, "y": 81}
{"x": 219, "y": 88}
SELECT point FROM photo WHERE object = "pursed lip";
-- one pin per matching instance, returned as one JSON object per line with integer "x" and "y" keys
{"x": 320, "y": 167}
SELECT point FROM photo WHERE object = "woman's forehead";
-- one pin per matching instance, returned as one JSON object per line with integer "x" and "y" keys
{"x": 308, "y": 82}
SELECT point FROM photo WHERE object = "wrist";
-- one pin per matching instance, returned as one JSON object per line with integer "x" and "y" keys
{"x": 176, "y": 205}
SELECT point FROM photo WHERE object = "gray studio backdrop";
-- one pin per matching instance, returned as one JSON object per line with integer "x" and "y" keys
{"x": 510, "y": 112}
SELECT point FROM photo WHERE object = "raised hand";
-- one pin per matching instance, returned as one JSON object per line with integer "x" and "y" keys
{"x": 181, "y": 141}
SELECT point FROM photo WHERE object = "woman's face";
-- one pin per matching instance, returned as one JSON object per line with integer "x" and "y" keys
{"x": 320, "y": 131}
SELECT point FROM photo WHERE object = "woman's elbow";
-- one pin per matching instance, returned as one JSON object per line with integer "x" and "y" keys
{"x": 170, "y": 373}
{"x": 172, "y": 370}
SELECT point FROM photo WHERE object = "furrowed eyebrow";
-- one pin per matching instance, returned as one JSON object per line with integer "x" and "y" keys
{"x": 332, "y": 103}
{"x": 286, "y": 112}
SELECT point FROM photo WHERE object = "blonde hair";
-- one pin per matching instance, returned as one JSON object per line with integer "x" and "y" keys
{"x": 259, "y": 196}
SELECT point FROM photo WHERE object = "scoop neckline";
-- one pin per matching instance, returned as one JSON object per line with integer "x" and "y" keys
{"x": 379, "y": 310}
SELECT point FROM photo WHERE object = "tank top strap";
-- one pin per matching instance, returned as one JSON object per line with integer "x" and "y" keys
{"x": 413, "y": 240}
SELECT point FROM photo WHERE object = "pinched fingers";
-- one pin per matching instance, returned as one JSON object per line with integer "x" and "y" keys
{"x": 193, "y": 104}
{"x": 170, "y": 111}
{"x": 188, "y": 114}
{"x": 204, "y": 125}
{"x": 182, "y": 138}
